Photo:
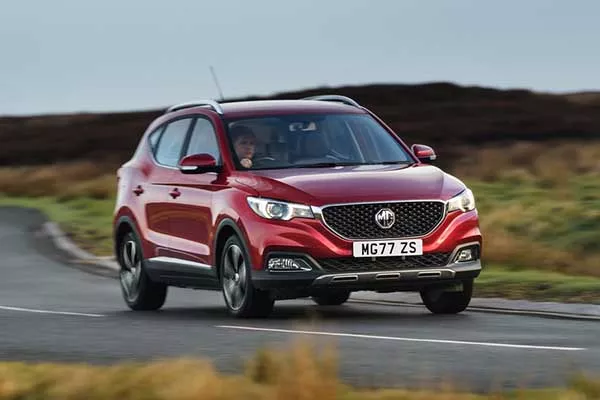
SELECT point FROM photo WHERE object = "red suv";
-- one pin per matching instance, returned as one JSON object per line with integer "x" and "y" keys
{"x": 273, "y": 200}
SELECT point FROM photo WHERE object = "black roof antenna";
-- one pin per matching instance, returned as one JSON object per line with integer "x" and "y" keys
{"x": 214, "y": 75}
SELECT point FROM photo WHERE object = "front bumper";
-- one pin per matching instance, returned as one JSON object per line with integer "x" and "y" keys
{"x": 291, "y": 284}
{"x": 332, "y": 265}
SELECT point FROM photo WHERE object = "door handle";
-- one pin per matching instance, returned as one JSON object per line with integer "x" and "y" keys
{"x": 138, "y": 190}
{"x": 175, "y": 193}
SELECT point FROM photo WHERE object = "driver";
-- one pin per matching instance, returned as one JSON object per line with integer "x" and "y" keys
{"x": 244, "y": 144}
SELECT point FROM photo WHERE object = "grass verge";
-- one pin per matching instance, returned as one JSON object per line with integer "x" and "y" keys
{"x": 526, "y": 224}
{"x": 539, "y": 207}
{"x": 88, "y": 222}
{"x": 517, "y": 284}
{"x": 539, "y": 212}
{"x": 304, "y": 373}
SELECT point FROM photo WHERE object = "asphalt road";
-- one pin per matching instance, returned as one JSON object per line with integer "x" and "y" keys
{"x": 52, "y": 311}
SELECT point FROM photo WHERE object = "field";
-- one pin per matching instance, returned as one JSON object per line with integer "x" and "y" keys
{"x": 533, "y": 161}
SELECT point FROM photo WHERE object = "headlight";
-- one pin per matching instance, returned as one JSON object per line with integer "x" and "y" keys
{"x": 465, "y": 201}
{"x": 274, "y": 209}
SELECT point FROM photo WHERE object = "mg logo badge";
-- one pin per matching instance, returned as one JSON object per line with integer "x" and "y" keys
{"x": 385, "y": 218}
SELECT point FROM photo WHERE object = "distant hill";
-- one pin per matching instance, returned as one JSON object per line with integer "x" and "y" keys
{"x": 592, "y": 98}
{"x": 446, "y": 116}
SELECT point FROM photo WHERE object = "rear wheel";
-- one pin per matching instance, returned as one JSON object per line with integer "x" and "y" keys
{"x": 139, "y": 292}
{"x": 332, "y": 299}
{"x": 443, "y": 301}
{"x": 241, "y": 298}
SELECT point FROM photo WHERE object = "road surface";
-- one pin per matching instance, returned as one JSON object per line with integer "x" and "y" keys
{"x": 53, "y": 311}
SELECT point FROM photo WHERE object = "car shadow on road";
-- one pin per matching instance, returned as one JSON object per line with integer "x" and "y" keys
{"x": 350, "y": 312}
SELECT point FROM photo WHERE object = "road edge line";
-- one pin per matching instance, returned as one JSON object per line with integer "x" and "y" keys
{"x": 78, "y": 255}
{"x": 490, "y": 310}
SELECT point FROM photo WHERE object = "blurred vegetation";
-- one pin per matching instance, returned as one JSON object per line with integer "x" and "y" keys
{"x": 540, "y": 229}
{"x": 304, "y": 373}
{"x": 521, "y": 283}
{"x": 540, "y": 212}
{"x": 539, "y": 205}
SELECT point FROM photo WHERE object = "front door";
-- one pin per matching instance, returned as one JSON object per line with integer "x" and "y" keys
{"x": 191, "y": 217}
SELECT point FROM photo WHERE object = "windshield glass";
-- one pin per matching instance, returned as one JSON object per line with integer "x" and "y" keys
{"x": 303, "y": 141}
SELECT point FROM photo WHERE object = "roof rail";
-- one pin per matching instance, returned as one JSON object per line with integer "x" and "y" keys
{"x": 197, "y": 103}
{"x": 335, "y": 97}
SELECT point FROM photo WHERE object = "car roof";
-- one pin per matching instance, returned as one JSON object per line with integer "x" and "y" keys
{"x": 256, "y": 108}
{"x": 233, "y": 109}
{"x": 261, "y": 107}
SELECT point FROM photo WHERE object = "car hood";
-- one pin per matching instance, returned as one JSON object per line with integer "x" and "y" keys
{"x": 368, "y": 183}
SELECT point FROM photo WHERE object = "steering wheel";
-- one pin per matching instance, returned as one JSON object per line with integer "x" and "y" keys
{"x": 265, "y": 158}
{"x": 265, "y": 161}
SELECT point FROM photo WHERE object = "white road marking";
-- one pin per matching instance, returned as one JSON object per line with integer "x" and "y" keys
{"x": 31, "y": 310}
{"x": 355, "y": 335}
{"x": 489, "y": 310}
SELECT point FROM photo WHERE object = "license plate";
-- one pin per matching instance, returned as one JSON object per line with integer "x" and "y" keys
{"x": 388, "y": 248}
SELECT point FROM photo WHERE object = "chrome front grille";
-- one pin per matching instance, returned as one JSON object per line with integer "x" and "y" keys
{"x": 351, "y": 264}
{"x": 358, "y": 221}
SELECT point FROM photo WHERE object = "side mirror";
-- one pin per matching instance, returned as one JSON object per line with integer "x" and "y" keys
{"x": 424, "y": 153}
{"x": 198, "y": 163}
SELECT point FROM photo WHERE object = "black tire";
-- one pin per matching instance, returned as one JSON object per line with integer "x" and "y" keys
{"x": 139, "y": 291}
{"x": 439, "y": 301}
{"x": 332, "y": 299}
{"x": 235, "y": 276}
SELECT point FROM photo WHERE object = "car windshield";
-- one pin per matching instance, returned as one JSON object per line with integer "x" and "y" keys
{"x": 306, "y": 141}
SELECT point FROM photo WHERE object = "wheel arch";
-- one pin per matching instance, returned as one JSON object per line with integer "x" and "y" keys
{"x": 226, "y": 228}
{"x": 124, "y": 225}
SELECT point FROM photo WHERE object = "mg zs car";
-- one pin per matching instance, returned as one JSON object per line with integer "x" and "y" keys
{"x": 273, "y": 200}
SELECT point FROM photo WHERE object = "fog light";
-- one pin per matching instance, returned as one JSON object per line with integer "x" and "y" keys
{"x": 467, "y": 254}
{"x": 464, "y": 255}
{"x": 287, "y": 264}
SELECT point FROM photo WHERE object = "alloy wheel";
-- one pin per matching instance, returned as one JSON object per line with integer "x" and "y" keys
{"x": 132, "y": 269}
{"x": 235, "y": 282}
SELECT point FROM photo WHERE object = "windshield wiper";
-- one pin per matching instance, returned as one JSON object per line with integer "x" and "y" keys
{"x": 393, "y": 162}
{"x": 325, "y": 165}
{"x": 337, "y": 164}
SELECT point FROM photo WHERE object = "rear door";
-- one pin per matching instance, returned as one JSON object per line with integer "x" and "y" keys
{"x": 158, "y": 191}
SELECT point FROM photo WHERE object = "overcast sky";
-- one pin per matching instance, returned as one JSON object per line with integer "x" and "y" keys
{"x": 83, "y": 55}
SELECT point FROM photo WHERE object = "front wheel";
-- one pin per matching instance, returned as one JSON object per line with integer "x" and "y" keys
{"x": 241, "y": 298}
{"x": 440, "y": 301}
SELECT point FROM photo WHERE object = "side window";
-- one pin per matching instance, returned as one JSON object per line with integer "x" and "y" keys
{"x": 153, "y": 138}
{"x": 171, "y": 143}
{"x": 203, "y": 139}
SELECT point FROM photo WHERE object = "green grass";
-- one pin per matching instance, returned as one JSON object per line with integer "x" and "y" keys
{"x": 527, "y": 224}
{"x": 517, "y": 283}
{"x": 567, "y": 218}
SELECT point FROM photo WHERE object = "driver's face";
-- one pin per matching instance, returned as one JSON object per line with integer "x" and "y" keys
{"x": 245, "y": 147}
